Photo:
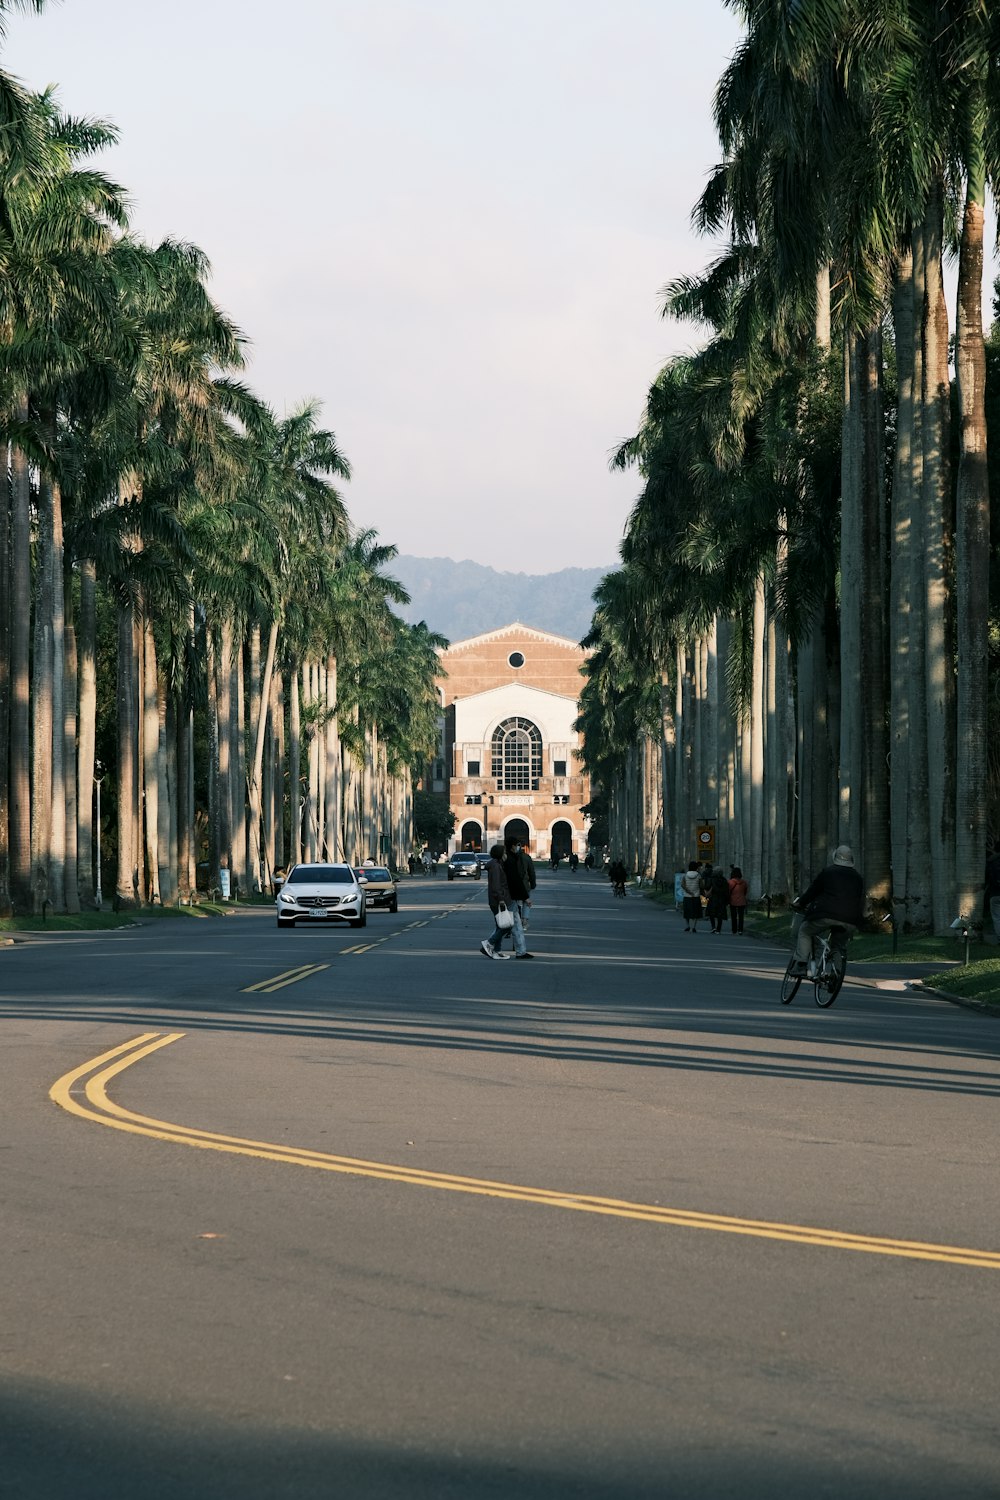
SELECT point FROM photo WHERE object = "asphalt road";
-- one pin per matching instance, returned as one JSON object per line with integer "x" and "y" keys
{"x": 363, "y": 1214}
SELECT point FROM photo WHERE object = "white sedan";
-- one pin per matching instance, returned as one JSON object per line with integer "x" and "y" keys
{"x": 321, "y": 893}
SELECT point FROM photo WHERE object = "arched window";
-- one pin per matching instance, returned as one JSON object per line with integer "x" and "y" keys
{"x": 517, "y": 756}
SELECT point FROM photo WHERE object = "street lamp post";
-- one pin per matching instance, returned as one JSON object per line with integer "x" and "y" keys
{"x": 97, "y": 782}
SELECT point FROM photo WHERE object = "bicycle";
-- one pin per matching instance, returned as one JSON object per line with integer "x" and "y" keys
{"x": 829, "y": 967}
{"x": 618, "y": 886}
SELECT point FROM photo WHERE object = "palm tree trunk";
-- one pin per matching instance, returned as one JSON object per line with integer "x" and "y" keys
{"x": 224, "y": 700}
{"x": 938, "y": 544}
{"x": 874, "y": 583}
{"x": 851, "y": 790}
{"x": 5, "y": 595}
{"x": 756, "y": 856}
{"x": 972, "y": 556}
{"x": 332, "y": 766}
{"x": 262, "y": 702}
{"x": 294, "y": 766}
{"x": 151, "y": 759}
{"x": 20, "y": 679}
{"x": 71, "y": 892}
{"x": 42, "y": 709}
{"x": 127, "y": 878}
{"x": 87, "y": 720}
{"x": 238, "y": 763}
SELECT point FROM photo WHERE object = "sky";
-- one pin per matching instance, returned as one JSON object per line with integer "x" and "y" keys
{"x": 449, "y": 220}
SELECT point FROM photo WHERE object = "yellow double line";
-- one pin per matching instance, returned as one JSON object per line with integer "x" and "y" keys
{"x": 290, "y": 976}
{"x": 99, "y": 1072}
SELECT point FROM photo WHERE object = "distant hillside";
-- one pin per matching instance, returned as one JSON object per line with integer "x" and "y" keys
{"x": 459, "y": 599}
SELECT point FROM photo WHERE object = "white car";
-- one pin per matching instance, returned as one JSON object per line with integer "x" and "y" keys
{"x": 321, "y": 893}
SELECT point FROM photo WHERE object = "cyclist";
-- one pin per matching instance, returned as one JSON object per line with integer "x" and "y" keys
{"x": 834, "y": 903}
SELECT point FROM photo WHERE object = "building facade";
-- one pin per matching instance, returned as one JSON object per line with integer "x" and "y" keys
{"x": 509, "y": 755}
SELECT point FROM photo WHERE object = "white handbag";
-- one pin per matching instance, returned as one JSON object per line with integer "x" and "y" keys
{"x": 505, "y": 919}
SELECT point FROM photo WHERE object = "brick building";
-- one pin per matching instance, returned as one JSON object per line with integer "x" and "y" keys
{"x": 508, "y": 760}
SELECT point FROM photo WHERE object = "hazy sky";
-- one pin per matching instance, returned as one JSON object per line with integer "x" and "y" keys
{"x": 447, "y": 219}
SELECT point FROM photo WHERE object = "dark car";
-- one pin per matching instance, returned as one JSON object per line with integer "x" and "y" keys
{"x": 463, "y": 865}
{"x": 378, "y": 885}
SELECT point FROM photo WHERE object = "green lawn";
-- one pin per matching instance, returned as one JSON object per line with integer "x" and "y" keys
{"x": 96, "y": 921}
{"x": 980, "y": 981}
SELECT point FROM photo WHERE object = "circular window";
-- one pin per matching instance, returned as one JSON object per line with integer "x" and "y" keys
{"x": 515, "y": 659}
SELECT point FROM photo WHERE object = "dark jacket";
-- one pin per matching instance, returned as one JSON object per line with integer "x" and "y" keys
{"x": 837, "y": 893}
{"x": 498, "y": 890}
{"x": 718, "y": 895}
{"x": 518, "y": 880}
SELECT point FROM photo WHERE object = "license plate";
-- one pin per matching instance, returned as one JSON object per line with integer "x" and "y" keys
{"x": 319, "y": 912}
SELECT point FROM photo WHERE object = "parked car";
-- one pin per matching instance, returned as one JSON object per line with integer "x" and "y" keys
{"x": 378, "y": 885}
{"x": 321, "y": 893}
{"x": 464, "y": 865}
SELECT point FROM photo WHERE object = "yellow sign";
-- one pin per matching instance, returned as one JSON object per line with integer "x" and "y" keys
{"x": 706, "y": 840}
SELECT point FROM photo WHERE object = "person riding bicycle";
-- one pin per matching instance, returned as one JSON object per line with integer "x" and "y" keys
{"x": 618, "y": 875}
{"x": 834, "y": 903}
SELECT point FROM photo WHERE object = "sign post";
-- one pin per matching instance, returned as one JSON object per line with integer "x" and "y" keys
{"x": 705, "y": 835}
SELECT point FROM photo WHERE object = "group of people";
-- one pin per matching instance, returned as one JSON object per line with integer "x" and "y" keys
{"x": 703, "y": 890}
{"x": 510, "y": 876}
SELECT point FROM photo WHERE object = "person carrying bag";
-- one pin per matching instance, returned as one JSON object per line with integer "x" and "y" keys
{"x": 504, "y": 911}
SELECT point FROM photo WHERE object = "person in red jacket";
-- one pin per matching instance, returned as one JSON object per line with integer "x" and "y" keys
{"x": 737, "y": 898}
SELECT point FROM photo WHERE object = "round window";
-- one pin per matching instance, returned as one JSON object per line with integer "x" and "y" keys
{"x": 515, "y": 659}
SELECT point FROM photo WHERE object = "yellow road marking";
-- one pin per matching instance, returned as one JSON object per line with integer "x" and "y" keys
{"x": 290, "y": 976}
{"x": 99, "y": 1108}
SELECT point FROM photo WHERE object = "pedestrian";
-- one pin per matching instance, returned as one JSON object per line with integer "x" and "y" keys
{"x": 500, "y": 898}
{"x": 519, "y": 872}
{"x": 737, "y": 899}
{"x": 574, "y": 861}
{"x": 718, "y": 898}
{"x": 691, "y": 886}
{"x": 588, "y": 863}
{"x": 993, "y": 888}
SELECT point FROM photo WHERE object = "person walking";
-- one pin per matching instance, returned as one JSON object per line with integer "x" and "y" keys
{"x": 691, "y": 886}
{"x": 737, "y": 899}
{"x": 499, "y": 898}
{"x": 520, "y": 872}
{"x": 718, "y": 898}
{"x": 499, "y": 895}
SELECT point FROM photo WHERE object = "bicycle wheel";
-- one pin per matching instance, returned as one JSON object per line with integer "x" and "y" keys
{"x": 790, "y": 984}
{"x": 827, "y": 985}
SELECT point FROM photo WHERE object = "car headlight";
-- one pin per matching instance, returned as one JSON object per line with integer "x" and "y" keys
{"x": 287, "y": 896}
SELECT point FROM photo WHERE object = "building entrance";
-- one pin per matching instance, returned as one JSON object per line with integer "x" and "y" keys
{"x": 562, "y": 840}
{"x": 517, "y": 828}
{"x": 472, "y": 836}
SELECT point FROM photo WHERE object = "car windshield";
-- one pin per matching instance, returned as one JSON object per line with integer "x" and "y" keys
{"x": 372, "y": 872}
{"x": 321, "y": 875}
{"x": 462, "y": 858}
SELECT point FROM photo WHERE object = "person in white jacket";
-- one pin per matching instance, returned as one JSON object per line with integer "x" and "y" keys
{"x": 691, "y": 886}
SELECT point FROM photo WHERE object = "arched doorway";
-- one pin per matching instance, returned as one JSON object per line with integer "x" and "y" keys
{"x": 562, "y": 840}
{"x": 472, "y": 836}
{"x": 517, "y": 828}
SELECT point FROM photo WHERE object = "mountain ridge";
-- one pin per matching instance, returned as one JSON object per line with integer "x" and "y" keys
{"x": 465, "y": 598}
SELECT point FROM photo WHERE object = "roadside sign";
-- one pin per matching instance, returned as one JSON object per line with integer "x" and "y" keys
{"x": 706, "y": 840}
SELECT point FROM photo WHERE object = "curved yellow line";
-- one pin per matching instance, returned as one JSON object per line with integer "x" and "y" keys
{"x": 103, "y": 1110}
